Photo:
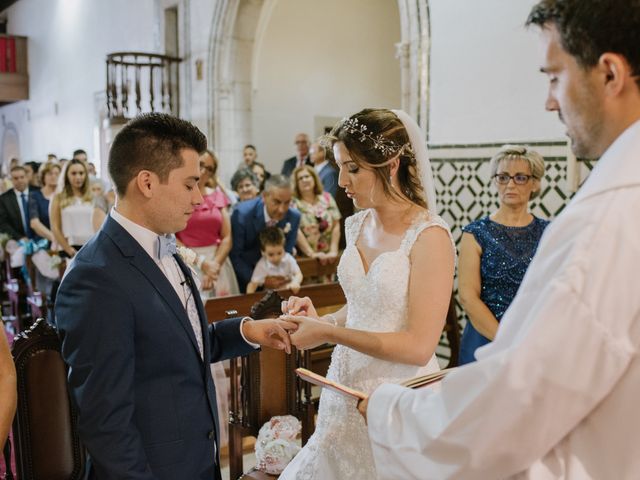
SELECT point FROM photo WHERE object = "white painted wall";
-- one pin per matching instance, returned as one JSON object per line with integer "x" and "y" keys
{"x": 68, "y": 44}
{"x": 485, "y": 80}
{"x": 320, "y": 59}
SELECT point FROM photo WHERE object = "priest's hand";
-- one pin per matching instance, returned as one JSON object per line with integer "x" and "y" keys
{"x": 299, "y": 306}
{"x": 271, "y": 332}
{"x": 310, "y": 332}
{"x": 362, "y": 408}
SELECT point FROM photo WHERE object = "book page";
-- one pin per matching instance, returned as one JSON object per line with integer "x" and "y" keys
{"x": 324, "y": 382}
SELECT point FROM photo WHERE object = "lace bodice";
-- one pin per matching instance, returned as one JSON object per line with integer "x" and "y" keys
{"x": 377, "y": 301}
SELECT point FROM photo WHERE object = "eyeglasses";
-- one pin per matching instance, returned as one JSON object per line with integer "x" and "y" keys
{"x": 208, "y": 168}
{"x": 518, "y": 178}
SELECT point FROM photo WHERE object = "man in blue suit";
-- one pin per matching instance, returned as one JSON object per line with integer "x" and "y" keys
{"x": 133, "y": 328}
{"x": 250, "y": 217}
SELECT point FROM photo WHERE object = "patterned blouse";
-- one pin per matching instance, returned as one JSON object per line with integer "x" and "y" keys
{"x": 318, "y": 220}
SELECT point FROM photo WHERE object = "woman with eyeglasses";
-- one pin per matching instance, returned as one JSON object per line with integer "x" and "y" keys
{"x": 496, "y": 250}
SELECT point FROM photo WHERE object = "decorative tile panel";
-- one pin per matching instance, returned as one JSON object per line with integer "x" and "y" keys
{"x": 465, "y": 194}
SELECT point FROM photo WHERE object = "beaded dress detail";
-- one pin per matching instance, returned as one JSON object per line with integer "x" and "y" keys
{"x": 506, "y": 255}
{"x": 377, "y": 300}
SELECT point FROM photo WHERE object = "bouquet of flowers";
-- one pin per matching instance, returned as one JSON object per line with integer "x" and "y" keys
{"x": 276, "y": 444}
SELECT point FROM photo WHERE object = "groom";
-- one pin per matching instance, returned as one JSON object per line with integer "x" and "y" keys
{"x": 134, "y": 331}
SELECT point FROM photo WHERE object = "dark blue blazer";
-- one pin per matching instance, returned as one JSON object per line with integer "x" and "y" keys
{"x": 289, "y": 165}
{"x": 329, "y": 178}
{"x": 146, "y": 400}
{"x": 247, "y": 221}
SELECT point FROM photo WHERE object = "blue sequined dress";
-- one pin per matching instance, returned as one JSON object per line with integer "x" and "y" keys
{"x": 506, "y": 254}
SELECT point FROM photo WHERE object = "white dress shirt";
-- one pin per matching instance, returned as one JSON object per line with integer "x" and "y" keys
{"x": 148, "y": 240}
{"x": 555, "y": 396}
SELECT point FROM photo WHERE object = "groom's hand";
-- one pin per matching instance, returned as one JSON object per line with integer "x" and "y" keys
{"x": 269, "y": 333}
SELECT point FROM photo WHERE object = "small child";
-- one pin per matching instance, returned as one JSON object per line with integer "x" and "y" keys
{"x": 275, "y": 262}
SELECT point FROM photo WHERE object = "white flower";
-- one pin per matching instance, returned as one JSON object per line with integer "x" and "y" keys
{"x": 188, "y": 256}
{"x": 276, "y": 444}
{"x": 287, "y": 228}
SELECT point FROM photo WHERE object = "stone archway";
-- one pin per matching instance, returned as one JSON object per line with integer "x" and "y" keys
{"x": 231, "y": 47}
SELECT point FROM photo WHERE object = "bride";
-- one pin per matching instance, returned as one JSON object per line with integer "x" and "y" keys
{"x": 397, "y": 275}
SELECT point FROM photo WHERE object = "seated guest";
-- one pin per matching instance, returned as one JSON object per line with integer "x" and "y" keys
{"x": 319, "y": 233}
{"x": 324, "y": 168}
{"x": 40, "y": 199}
{"x": 261, "y": 174}
{"x": 33, "y": 178}
{"x": 250, "y": 217}
{"x": 275, "y": 262}
{"x": 249, "y": 155}
{"x": 300, "y": 158}
{"x": 15, "y": 218}
{"x": 8, "y": 389}
{"x": 245, "y": 184}
{"x": 496, "y": 250}
{"x": 208, "y": 234}
{"x": 72, "y": 209}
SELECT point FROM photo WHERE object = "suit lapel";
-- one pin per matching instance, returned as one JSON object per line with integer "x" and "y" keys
{"x": 140, "y": 260}
{"x": 14, "y": 211}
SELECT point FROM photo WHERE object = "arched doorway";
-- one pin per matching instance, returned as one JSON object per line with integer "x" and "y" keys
{"x": 10, "y": 146}
{"x": 235, "y": 37}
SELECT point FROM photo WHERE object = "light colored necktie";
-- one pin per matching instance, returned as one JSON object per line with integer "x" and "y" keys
{"x": 166, "y": 245}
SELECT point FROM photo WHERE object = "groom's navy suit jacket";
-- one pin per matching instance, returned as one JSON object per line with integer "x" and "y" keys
{"x": 247, "y": 221}
{"x": 146, "y": 400}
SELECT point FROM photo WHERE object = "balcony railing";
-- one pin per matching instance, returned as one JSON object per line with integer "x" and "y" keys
{"x": 14, "y": 77}
{"x": 142, "y": 82}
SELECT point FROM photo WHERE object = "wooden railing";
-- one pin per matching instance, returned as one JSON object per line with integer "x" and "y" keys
{"x": 142, "y": 82}
{"x": 14, "y": 78}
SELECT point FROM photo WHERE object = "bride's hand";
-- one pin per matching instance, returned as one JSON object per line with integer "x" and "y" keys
{"x": 299, "y": 306}
{"x": 310, "y": 332}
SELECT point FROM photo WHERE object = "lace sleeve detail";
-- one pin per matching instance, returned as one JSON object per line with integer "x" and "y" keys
{"x": 414, "y": 232}
{"x": 352, "y": 226}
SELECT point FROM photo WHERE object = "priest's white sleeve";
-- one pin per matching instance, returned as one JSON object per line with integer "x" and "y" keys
{"x": 496, "y": 417}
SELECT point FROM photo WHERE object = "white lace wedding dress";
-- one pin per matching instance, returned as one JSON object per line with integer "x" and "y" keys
{"x": 377, "y": 301}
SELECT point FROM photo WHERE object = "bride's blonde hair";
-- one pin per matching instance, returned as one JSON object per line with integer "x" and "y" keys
{"x": 373, "y": 138}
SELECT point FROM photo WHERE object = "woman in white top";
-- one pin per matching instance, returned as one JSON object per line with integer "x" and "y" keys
{"x": 72, "y": 208}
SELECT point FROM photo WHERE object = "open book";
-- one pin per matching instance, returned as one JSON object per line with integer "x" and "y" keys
{"x": 324, "y": 382}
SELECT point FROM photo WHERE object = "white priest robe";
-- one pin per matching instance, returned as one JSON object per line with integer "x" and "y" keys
{"x": 557, "y": 394}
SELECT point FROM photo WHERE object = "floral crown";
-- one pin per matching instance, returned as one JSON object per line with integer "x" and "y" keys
{"x": 386, "y": 146}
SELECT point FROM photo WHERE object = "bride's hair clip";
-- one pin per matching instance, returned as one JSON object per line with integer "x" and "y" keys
{"x": 387, "y": 147}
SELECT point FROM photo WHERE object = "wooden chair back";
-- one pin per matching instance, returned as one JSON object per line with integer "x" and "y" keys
{"x": 263, "y": 384}
{"x": 46, "y": 440}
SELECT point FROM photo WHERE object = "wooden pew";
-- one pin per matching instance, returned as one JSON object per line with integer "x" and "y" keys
{"x": 312, "y": 268}
{"x": 254, "y": 401}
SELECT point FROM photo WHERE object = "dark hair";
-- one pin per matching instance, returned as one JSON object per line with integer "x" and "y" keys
{"x": 240, "y": 175}
{"x": 151, "y": 141}
{"x": 249, "y": 146}
{"x": 383, "y": 125}
{"x": 34, "y": 166}
{"x": 78, "y": 152}
{"x": 17, "y": 167}
{"x": 589, "y": 28}
{"x": 267, "y": 173}
{"x": 271, "y": 236}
